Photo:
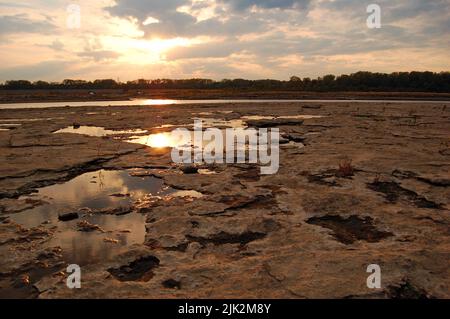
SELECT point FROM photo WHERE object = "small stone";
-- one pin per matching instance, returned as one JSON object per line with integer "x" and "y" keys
{"x": 189, "y": 169}
{"x": 68, "y": 217}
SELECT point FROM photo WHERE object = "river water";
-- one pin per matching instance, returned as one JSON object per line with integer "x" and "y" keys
{"x": 152, "y": 102}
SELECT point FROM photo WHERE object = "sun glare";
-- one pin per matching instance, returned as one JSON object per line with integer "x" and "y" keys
{"x": 143, "y": 51}
{"x": 159, "y": 140}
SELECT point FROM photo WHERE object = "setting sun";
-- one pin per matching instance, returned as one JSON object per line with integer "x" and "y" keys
{"x": 143, "y": 51}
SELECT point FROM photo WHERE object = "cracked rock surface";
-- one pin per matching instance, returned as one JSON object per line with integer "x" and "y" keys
{"x": 309, "y": 231}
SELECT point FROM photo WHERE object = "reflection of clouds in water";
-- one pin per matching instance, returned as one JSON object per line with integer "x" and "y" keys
{"x": 246, "y": 140}
{"x": 89, "y": 247}
{"x": 81, "y": 192}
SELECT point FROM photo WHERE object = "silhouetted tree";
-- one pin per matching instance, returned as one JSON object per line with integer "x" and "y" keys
{"x": 359, "y": 81}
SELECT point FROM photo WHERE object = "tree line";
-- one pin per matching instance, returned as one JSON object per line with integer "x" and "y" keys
{"x": 360, "y": 81}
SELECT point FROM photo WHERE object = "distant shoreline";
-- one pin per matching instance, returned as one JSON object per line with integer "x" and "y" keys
{"x": 24, "y": 96}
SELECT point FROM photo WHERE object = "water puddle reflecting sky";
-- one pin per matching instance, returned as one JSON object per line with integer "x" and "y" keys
{"x": 286, "y": 117}
{"x": 97, "y": 131}
{"x": 100, "y": 190}
{"x": 32, "y": 119}
{"x": 168, "y": 140}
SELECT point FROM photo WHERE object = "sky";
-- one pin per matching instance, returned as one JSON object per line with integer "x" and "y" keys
{"x": 126, "y": 40}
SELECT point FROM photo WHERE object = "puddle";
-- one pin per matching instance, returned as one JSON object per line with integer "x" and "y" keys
{"x": 7, "y": 127}
{"x": 206, "y": 172}
{"x": 164, "y": 126}
{"x": 212, "y": 113}
{"x": 192, "y": 194}
{"x": 159, "y": 140}
{"x": 300, "y": 117}
{"x": 99, "y": 191}
{"x": 151, "y": 102}
{"x": 32, "y": 119}
{"x": 289, "y": 117}
{"x": 166, "y": 140}
{"x": 215, "y": 122}
{"x": 97, "y": 131}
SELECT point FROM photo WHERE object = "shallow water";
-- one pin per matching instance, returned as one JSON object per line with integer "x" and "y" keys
{"x": 93, "y": 190}
{"x": 31, "y": 119}
{"x": 247, "y": 139}
{"x": 216, "y": 122}
{"x": 97, "y": 131}
{"x": 150, "y": 102}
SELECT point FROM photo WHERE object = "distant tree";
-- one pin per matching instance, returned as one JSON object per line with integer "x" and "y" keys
{"x": 18, "y": 84}
{"x": 359, "y": 81}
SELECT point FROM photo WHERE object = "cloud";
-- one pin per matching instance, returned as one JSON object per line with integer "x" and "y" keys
{"x": 224, "y": 38}
{"x": 55, "y": 45}
{"x": 42, "y": 70}
{"x": 267, "y": 4}
{"x": 21, "y": 23}
{"x": 232, "y": 20}
{"x": 99, "y": 55}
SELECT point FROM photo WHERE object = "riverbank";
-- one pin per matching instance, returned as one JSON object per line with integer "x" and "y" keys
{"x": 24, "y": 96}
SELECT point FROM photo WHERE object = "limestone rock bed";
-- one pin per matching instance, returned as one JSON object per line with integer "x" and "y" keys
{"x": 370, "y": 186}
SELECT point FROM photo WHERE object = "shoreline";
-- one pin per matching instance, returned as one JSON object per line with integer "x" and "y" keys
{"x": 42, "y": 96}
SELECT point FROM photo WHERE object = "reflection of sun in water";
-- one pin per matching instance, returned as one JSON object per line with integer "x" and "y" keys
{"x": 159, "y": 140}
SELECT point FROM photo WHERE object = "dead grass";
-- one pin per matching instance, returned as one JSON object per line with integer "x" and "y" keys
{"x": 377, "y": 178}
{"x": 346, "y": 169}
